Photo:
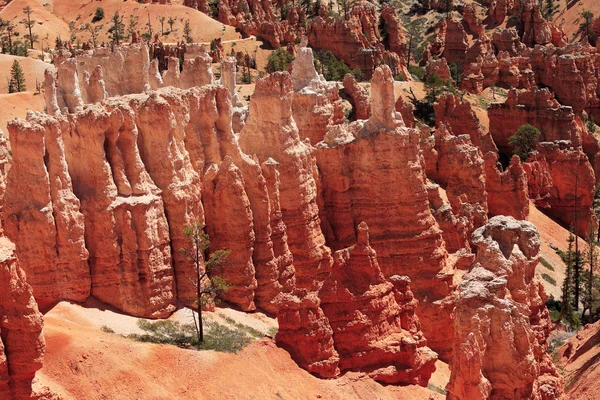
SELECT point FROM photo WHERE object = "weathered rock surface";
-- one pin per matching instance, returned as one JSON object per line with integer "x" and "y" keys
{"x": 21, "y": 340}
{"x": 406, "y": 236}
{"x": 501, "y": 322}
{"x": 367, "y": 321}
{"x": 271, "y": 132}
{"x": 507, "y": 191}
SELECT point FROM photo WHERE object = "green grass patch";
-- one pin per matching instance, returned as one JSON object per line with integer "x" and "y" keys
{"x": 549, "y": 279}
{"x": 546, "y": 264}
{"x": 436, "y": 389}
{"x": 217, "y": 336}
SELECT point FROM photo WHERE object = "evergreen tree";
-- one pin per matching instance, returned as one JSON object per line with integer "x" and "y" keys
{"x": 566, "y": 309}
{"x": 29, "y": 24}
{"x": 17, "y": 78}
{"x": 524, "y": 140}
{"x": 586, "y": 26}
{"x": 549, "y": 9}
{"x": 187, "y": 32}
{"x": 117, "y": 30}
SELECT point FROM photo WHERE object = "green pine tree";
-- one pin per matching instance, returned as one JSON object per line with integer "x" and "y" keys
{"x": 17, "y": 79}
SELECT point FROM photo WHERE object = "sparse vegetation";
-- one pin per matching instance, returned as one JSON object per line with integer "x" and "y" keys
{"x": 28, "y": 22}
{"x": 117, "y": 29}
{"x": 331, "y": 67}
{"x": 546, "y": 264}
{"x": 524, "y": 141}
{"x": 107, "y": 329}
{"x": 187, "y": 32}
{"x": 549, "y": 279}
{"x": 98, "y": 15}
{"x": 219, "y": 337}
{"x": 279, "y": 60}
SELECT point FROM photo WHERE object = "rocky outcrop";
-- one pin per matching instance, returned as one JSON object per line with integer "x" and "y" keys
{"x": 501, "y": 323}
{"x": 459, "y": 115}
{"x": 271, "y": 132}
{"x": 573, "y": 182}
{"x": 438, "y": 67}
{"x": 358, "y": 321}
{"x": 407, "y": 238}
{"x": 316, "y": 103}
{"x": 359, "y": 97}
{"x": 506, "y": 190}
{"x": 305, "y": 333}
{"x": 374, "y": 339}
{"x": 535, "y": 107}
{"x": 21, "y": 340}
{"x": 90, "y": 76}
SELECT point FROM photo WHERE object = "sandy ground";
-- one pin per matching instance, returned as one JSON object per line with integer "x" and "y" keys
{"x": 568, "y": 16}
{"x": 32, "y": 68}
{"x": 47, "y": 25}
{"x": 83, "y": 362}
{"x": 203, "y": 28}
{"x": 579, "y": 363}
{"x": 17, "y": 105}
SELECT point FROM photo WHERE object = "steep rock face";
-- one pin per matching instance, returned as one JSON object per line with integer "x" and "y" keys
{"x": 456, "y": 45}
{"x": 153, "y": 163}
{"x": 305, "y": 332}
{"x": 573, "y": 182}
{"x": 536, "y": 107}
{"x": 271, "y": 132}
{"x": 361, "y": 103}
{"x": 367, "y": 321}
{"x": 42, "y": 215}
{"x": 21, "y": 340}
{"x": 460, "y": 167}
{"x": 539, "y": 180}
{"x": 501, "y": 321}
{"x": 316, "y": 104}
{"x": 406, "y": 236}
{"x": 460, "y": 117}
{"x": 90, "y": 76}
{"x": 506, "y": 190}
{"x": 438, "y": 67}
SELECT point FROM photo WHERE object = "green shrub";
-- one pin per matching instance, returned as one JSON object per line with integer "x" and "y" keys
{"x": 417, "y": 72}
{"x": 106, "y": 329}
{"x": 546, "y": 264}
{"x": 524, "y": 141}
{"x": 330, "y": 66}
{"x": 218, "y": 337}
{"x": 549, "y": 279}
{"x": 279, "y": 60}
{"x": 98, "y": 15}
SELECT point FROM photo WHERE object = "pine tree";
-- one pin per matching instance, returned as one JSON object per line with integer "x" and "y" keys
{"x": 29, "y": 24}
{"x": 117, "y": 30}
{"x": 566, "y": 310}
{"x": 17, "y": 78}
{"x": 586, "y": 26}
{"x": 550, "y": 8}
{"x": 187, "y": 32}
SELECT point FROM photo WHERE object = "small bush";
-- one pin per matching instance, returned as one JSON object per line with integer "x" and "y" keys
{"x": 546, "y": 264}
{"x": 524, "y": 141}
{"x": 279, "y": 60}
{"x": 330, "y": 66}
{"x": 417, "y": 72}
{"x": 218, "y": 337}
{"x": 106, "y": 329}
{"x": 98, "y": 15}
{"x": 549, "y": 279}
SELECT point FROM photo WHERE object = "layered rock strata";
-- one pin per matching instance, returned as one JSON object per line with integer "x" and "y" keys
{"x": 22, "y": 343}
{"x": 501, "y": 323}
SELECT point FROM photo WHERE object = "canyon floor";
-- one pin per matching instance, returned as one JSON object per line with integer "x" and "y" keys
{"x": 84, "y": 362}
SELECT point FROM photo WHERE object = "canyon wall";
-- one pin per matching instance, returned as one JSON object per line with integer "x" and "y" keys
{"x": 22, "y": 343}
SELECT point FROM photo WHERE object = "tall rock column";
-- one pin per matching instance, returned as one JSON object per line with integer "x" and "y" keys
{"x": 271, "y": 132}
{"x": 402, "y": 229}
{"x": 42, "y": 214}
{"x": 501, "y": 322}
{"x": 22, "y": 343}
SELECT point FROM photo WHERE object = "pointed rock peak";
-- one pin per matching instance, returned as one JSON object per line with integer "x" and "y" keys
{"x": 363, "y": 234}
{"x": 383, "y": 101}
{"x": 304, "y": 74}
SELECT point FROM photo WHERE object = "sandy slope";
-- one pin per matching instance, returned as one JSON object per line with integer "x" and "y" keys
{"x": 48, "y": 26}
{"x": 203, "y": 28}
{"x": 32, "y": 68}
{"x": 83, "y": 362}
{"x": 579, "y": 362}
{"x": 569, "y": 14}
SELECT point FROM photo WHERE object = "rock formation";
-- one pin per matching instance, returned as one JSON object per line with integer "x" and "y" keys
{"x": 501, "y": 323}
{"x": 406, "y": 236}
{"x": 506, "y": 190}
{"x": 21, "y": 340}
{"x": 271, "y": 132}
{"x": 367, "y": 321}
